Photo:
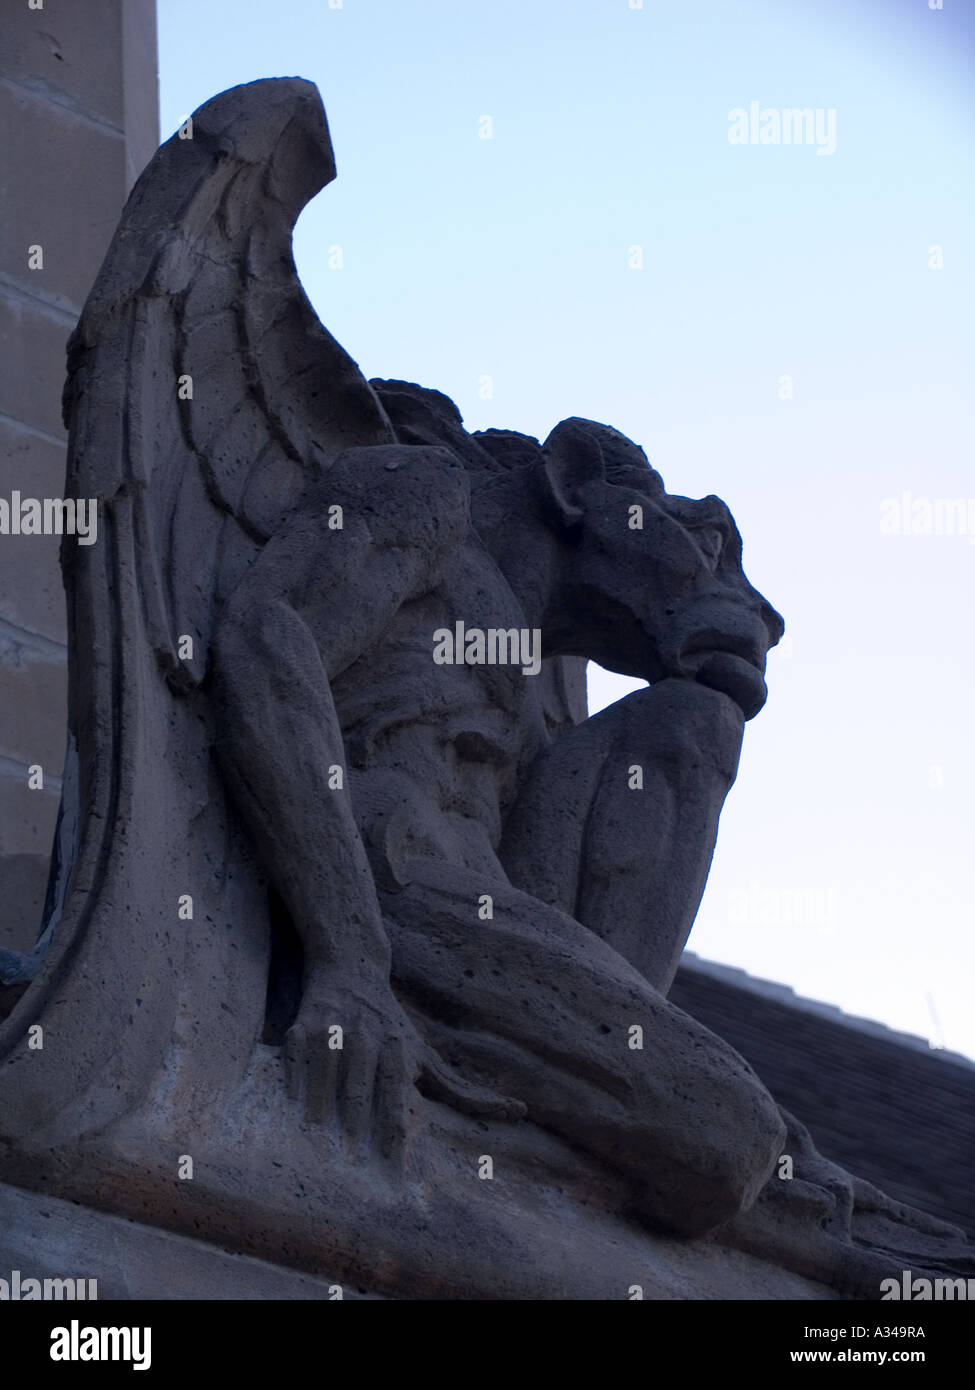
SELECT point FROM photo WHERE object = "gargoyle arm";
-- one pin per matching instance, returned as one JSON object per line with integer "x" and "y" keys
{"x": 314, "y": 601}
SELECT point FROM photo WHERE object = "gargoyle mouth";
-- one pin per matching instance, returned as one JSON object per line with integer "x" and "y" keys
{"x": 735, "y": 677}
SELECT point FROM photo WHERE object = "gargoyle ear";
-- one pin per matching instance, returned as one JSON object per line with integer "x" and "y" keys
{"x": 572, "y": 457}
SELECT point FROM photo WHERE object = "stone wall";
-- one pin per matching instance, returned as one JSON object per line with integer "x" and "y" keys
{"x": 79, "y": 117}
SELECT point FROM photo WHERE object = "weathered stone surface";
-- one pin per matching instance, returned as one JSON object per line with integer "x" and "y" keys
{"x": 27, "y": 821}
{"x": 34, "y": 465}
{"x": 32, "y": 692}
{"x": 72, "y": 54}
{"x": 24, "y": 889}
{"x": 95, "y": 62}
{"x": 46, "y": 156}
{"x": 140, "y": 85}
{"x": 26, "y": 816}
{"x": 32, "y": 340}
{"x": 46, "y": 1238}
{"x": 328, "y": 771}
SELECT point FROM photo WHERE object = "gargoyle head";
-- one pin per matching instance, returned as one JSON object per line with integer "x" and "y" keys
{"x": 656, "y": 579}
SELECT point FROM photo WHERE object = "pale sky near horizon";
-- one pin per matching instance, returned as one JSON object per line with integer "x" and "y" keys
{"x": 609, "y": 253}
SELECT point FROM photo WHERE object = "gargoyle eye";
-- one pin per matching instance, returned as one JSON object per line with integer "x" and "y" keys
{"x": 711, "y": 541}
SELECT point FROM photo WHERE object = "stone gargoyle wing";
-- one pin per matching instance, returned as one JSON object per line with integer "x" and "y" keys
{"x": 203, "y": 397}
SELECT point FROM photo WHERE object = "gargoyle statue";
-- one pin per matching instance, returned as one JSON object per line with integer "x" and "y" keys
{"x": 347, "y": 888}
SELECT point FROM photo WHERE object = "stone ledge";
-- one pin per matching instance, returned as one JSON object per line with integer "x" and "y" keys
{"x": 44, "y": 1237}
{"x": 269, "y": 1188}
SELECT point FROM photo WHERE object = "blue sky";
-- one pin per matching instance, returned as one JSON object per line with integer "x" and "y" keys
{"x": 844, "y": 862}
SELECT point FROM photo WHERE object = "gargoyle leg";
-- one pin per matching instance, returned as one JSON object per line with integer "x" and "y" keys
{"x": 617, "y": 822}
{"x": 530, "y": 1003}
